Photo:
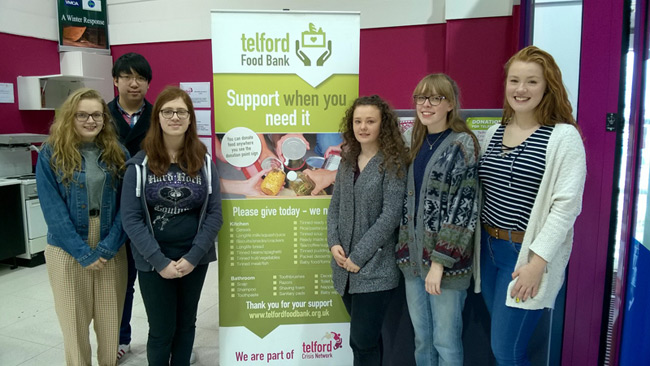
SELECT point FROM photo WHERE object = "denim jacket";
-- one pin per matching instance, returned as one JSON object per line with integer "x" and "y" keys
{"x": 65, "y": 209}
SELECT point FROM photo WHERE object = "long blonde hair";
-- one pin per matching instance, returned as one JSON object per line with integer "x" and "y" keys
{"x": 443, "y": 85}
{"x": 65, "y": 140}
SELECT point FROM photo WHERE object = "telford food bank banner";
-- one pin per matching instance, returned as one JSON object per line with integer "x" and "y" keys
{"x": 282, "y": 82}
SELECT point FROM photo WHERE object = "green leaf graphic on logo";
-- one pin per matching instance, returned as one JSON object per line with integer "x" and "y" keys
{"x": 313, "y": 39}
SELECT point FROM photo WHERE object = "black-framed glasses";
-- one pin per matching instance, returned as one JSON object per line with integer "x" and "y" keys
{"x": 434, "y": 100}
{"x": 169, "y": 113}
{"x": 130, "y": 78}
{"x": 83, "y": 116}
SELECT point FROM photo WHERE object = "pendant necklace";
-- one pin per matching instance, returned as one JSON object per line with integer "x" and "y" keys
{"x": 434, "y": 142}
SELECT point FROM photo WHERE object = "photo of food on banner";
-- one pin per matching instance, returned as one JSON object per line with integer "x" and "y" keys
{"x": 277, "y": 165}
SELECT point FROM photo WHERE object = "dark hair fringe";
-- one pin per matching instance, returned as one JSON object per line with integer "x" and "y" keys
{"x": 130, "y": 62}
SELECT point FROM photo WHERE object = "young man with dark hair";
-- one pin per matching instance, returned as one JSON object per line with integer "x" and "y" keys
{"x": 131, "y": 114}
{"x": 131, "y": 111}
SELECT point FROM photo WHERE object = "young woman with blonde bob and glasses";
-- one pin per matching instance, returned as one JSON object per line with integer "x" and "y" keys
{"x": 532, "y": 174}
{"x": 79, "y": 176}
{"x": 435, "y": 249}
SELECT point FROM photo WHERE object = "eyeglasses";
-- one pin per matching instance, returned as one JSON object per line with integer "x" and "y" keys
{"x": 434, "y": 100}
{"x": 130, "y": 78}
{"x": 83, "y": 116}
{"x": 169, "y": 113}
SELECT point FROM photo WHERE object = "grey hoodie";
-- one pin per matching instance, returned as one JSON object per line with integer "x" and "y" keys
{"x": 137, "y": 223}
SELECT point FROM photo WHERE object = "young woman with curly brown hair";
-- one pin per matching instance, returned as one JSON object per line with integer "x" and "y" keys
{"x": 363, "y": 217}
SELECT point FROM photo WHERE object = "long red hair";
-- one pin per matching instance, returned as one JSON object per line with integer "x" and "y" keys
{"x": 191, "y": 155}
{"x": 555, "y": 106}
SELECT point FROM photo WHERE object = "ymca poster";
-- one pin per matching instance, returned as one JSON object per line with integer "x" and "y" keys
{"x": 282, "y": 82}
{"x": 83, "y": 24}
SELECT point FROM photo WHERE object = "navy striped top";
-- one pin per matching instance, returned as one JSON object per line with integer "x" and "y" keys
{"x": 511, "y": 177}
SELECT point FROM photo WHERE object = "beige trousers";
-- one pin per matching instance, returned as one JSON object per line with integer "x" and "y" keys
{"x": 82, "y": 295}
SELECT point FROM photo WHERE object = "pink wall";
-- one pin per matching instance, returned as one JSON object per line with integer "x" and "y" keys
{"x": 471, "y": 51}
{"x": 475, "y": 54}
{"x": 599, "y": 89}
{"x": 25, "y": 56}
{"x": 392, "y": 61}
{"x": 172, "y": 62}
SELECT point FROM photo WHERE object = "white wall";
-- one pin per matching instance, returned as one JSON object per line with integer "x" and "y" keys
{"x": 148, "y": 21}
{"x": 463, "y": 9}
{"x": 557, "y": 29}
{"x": 31, "y": 18}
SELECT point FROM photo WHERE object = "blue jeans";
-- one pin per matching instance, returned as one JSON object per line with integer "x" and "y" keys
{"x": 437, "y": 322}
{"x": 511, "y": 328}
{"x": 325, "y": 140}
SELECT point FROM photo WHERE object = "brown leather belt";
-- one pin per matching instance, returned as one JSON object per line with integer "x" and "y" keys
{"x": 515, "y": 236}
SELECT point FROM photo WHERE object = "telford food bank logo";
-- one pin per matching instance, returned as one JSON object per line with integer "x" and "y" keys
{"x": 263, "y": 49}
{"x": 316, "y": 39}
{"x": 322, "y": 348}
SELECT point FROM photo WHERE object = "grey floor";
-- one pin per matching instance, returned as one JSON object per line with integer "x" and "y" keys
{"x": 30, "y": 333}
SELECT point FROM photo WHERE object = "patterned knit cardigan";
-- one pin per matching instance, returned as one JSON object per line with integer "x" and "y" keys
{"x": 447, "y": 214}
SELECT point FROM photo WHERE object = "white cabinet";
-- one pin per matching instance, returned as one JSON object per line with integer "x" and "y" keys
{"x": 96, "y": 68}
{"x": 46, "y": 92}
{"x": 78, "y": 69}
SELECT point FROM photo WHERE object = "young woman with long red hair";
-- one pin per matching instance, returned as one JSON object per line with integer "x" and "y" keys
{"x": 172, "y": 213}
{"x": 532, "y": 172}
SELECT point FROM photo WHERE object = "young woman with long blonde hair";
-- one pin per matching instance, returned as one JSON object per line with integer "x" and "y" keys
{"x": 79, "y": 176}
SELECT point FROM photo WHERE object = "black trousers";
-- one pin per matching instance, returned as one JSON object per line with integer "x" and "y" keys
{"x": 367, "y": 312}
{"x": 125, "y": 327}
{"x": 171, "y": 307}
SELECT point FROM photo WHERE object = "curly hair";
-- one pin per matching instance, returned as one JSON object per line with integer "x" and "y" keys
{"x": 391, "y": 143}
{"x": 439, "y": 84}
{"x": 65, "y": 140}
{"x": 555, "y": 106}
{"x": 191, "y": 155}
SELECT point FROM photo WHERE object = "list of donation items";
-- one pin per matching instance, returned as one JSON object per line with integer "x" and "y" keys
{"x": 278, "y": 265}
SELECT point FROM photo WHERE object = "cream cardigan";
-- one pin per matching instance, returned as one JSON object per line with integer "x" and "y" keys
{"x": 549, "y": 233}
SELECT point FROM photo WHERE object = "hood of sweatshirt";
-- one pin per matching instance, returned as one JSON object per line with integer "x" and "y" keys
{"x": 137, "y": 159}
